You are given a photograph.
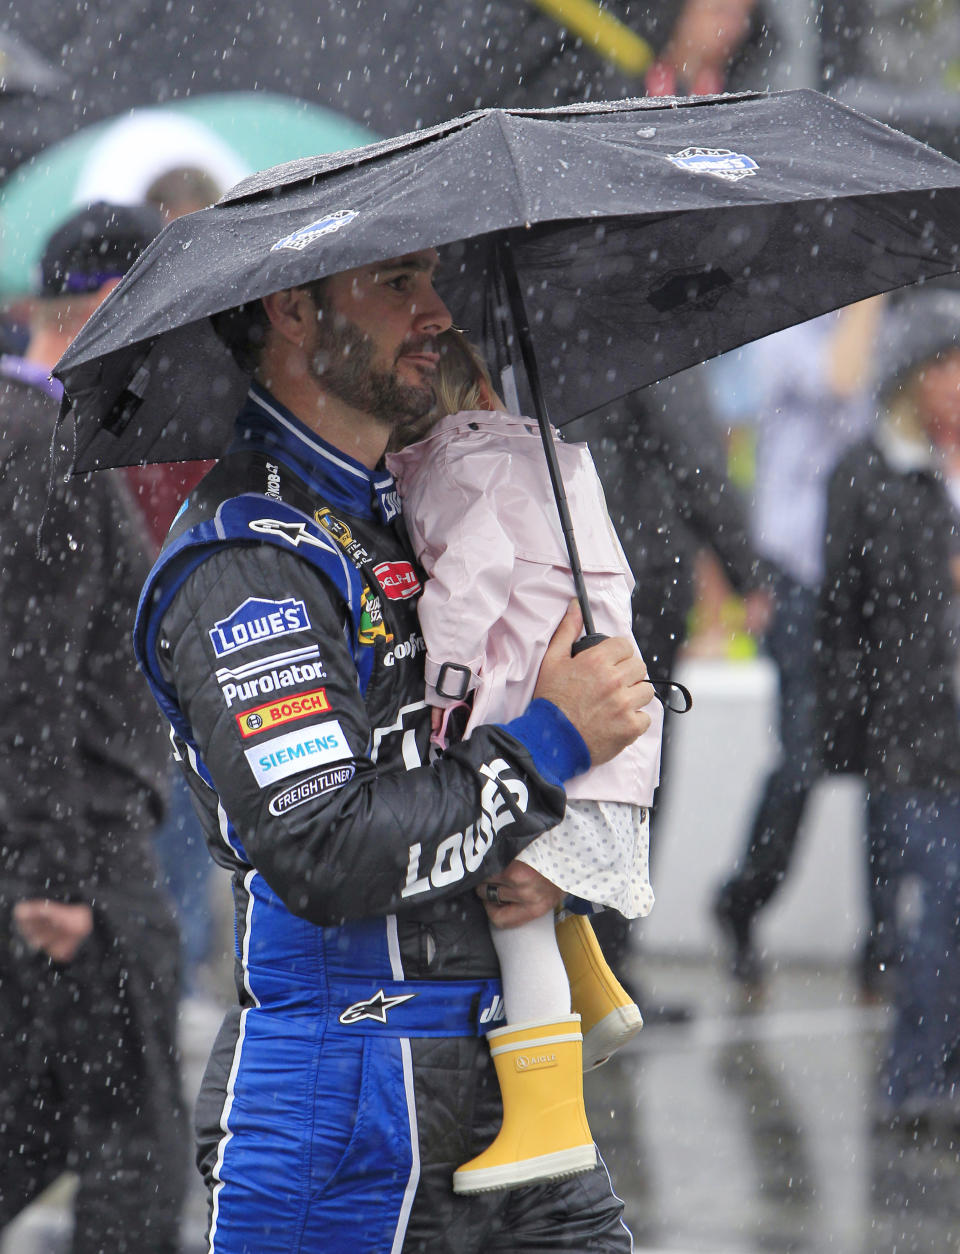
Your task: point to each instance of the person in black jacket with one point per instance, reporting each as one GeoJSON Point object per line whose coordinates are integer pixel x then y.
{"type": "Point", "coordinates": [889, 648]}
{"type": "Point", "coordinates": [89, 1075]}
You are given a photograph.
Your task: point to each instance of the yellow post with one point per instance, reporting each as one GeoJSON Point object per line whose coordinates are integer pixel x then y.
{"type": "Point", "coordinates": [603, 32]}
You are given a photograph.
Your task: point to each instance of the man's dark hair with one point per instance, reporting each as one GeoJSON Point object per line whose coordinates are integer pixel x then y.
{"type": "Point", "coordinates": [244, 328]}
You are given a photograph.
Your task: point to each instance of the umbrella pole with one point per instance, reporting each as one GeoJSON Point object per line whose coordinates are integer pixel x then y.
{"type": "Point", "coordinates": [522, 328]}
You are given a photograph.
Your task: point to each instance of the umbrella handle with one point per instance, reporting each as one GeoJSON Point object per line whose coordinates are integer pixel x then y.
{"type": "Point", "coordinates": [662, 687]}
{"type": "Point", "coordinates": [587, 642]}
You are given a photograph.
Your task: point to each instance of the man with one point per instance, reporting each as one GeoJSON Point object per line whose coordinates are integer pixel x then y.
{"type": "Point", "coordinates": [88, 1066]}
{"type": "Point", "coordinates": [810, 401]}
{"type": "Point", "coordinates": [280, 635]}
{"type": "Point", "coordinates": [889, 684]}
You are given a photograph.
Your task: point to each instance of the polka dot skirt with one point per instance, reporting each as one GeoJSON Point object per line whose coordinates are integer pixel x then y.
{"type": "Point", "coordinates": [600, 851]}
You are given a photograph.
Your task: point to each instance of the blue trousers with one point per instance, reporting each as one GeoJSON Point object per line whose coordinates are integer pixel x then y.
{"type": "Point", "coordinates": [922, 1067]}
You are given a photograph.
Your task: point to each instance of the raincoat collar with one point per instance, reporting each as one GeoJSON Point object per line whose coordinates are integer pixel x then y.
{"type": "Point", "coordinates": [266, 424]}
{"type": "Point", "coordinates": [483, 420]}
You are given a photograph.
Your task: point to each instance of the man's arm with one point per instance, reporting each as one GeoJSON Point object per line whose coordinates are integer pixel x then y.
{"type": "Point", "coordinates": [383, 837]}
{"type": "Point", "coordinates": [842, 689]}
{"type": "Point", "coordinates": [42, 599]}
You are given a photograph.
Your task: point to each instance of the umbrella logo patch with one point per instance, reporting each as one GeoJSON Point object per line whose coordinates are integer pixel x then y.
{"type": "Point", "coordinates": [330, 222]}
{"type": "Point", "coordinates": [722, 163]}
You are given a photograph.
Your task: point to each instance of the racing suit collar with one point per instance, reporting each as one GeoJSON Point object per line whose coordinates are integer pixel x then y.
{"type": "Point", "coordinates": [263, 422]}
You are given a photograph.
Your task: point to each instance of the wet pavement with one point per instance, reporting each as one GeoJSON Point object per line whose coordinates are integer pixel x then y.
{"type": "Point", "coordinates": [736, 1133]}
{"type": "Point", "coordinates": [755, 1132]}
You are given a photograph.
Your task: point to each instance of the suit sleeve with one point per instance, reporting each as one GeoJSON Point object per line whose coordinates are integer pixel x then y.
{"type": "Point", "coordinates": [379, 831]}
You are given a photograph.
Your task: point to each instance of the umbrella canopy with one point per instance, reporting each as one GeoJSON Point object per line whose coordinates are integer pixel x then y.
{"type": "Point", "coordinates": [632, 238]}
{"type": "Point", "coordinates": [23, 69]}
{"type": "Point", "coordinates": [227, 135]}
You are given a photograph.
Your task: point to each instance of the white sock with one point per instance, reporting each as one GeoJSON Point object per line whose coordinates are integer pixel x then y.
{"type": "Point", "coordinates": [535, 984]}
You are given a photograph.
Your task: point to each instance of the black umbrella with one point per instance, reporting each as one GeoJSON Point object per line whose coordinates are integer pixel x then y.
{"type": "Point", "coordinates": [608, 244]}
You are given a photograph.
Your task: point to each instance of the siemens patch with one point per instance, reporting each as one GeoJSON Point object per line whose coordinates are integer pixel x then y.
{"type": "Point", "coordinates": [266, 717]}
{"type": "Point", "coordinates": [297, 751]}
{"type": "Point", "coordinates": [305, 790]}
{"type": "Point", "coordinates": [255, 620]}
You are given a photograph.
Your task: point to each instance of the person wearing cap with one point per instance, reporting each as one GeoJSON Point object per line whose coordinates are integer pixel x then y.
{"type": "Point", "coordinates": [89, 1078]}
{"type": "Point", "coordinates": [889, 697]}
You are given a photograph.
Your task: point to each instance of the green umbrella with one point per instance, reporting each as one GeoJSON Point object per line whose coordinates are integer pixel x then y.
{"type": "Point", "coordinates": [228, 133]}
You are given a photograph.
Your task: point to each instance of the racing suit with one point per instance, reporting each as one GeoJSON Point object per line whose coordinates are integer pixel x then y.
{"type": "Point", "coordinates": [279, 633]}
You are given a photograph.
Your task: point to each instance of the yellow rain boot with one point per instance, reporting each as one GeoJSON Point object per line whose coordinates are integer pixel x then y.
{"type": "Point", "coordinates": [544, 1135]}
{"type": "Point", "coordinates": [608, 1014]}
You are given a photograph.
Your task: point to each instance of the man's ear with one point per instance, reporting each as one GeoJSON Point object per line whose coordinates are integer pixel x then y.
{"type": "Point", "coordinates": [291, 313]}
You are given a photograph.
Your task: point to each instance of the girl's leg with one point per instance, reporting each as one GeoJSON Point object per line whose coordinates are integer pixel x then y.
{"type": "Point", "coordinates": [535, 984]}
{"type": "Point", "coordinates": [539, 1063]}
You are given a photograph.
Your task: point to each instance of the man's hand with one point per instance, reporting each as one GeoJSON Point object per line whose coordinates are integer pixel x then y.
{"type": "Point", "coordinates": [757, 611]}
{"type": "Point", "coordinates": [704, 41]}
{"type": "Point", "coordinates": [517, 895]}
{"type": "Point", "coordinates": [54, 927]}
{"type": "Point", "coordinates": [602, 690]}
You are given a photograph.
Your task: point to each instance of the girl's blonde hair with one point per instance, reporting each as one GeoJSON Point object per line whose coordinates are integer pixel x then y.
{"type": "Point", "coordinates": [463, 380]}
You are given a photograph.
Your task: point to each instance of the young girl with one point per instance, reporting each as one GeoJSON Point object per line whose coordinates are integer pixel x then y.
{"type": "Point", "coordinates": [479, 508]}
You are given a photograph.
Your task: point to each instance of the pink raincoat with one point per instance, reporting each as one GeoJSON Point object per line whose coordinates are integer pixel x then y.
{"type": "Point", "coordinates": [479, 508]}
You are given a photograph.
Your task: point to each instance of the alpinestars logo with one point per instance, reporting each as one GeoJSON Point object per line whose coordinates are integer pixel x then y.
{"type": "Point", "coordinates": [376, 1008]}
{"type": "Point", "coordinates": [293, 532]}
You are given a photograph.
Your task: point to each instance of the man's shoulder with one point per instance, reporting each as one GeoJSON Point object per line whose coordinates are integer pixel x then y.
{"type": "Point", "coordinates": [233, 513]}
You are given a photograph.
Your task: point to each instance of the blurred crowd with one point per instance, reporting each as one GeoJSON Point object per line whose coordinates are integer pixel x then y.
{"type": "Point", "coordinates": [798, 500]}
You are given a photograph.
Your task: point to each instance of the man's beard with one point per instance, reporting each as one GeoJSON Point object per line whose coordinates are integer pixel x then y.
{"type": "Point", "coordinates": [341, 363]}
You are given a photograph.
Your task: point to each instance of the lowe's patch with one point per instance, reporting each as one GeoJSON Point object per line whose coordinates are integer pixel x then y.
{"type": "Point", "coordinates": [258, 619]}
{"type": "Point", "coordinates": [722, 163]}
{"type": "Point", "coordinates": [330, 222]}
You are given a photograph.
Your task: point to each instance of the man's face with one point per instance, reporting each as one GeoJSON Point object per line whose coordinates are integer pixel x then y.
{"type": "Point", "coordinates": [938, 396]}
{"type": "Point", "coordinates": [375, 343]}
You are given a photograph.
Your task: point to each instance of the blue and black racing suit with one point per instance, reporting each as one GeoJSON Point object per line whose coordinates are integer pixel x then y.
{"type": "Point", "coordinates": [279, 633]}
